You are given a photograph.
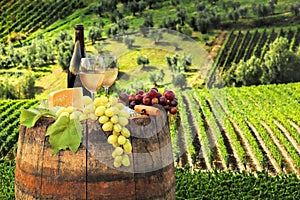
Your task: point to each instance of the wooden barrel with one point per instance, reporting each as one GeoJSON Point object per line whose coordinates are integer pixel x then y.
{"type": "Point", "coordinates": [89, 174]}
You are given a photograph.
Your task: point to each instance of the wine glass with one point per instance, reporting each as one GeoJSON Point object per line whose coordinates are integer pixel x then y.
{"type": "Point", "coordinates": [91, 74]}
{"type": "Point", "coordinates": [110, 71]}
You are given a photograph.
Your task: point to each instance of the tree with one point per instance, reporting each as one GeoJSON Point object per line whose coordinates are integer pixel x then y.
{"type": "Point", "coordinates": [262, 10]}
{"type": "Point", "coordinates": [28, 88]}
{"type": "Point", "coordinates": [295, 9]}
{"type": "Point", "coordinates": [142, 60]}
{"type": "Point", "coordinates": [249, 72]}
{"type": "Point", "coordinates": [156, 78]}
{"type": "Point", "coordinates": [105, 6]}
{"type": "Point", "coordinates": [181, 15]}
{"type": "Point", "coordinates": [179, 80]}
{"type": "Point", "coordinates": [177, 63]}
{"type": "Point", "coordinates": [169, 23]}
{"type": "Point", "coordinates": [151, 3]}
{"type": "Point", "coordinates": [123, 25]}
{"type": "Point", "coordinates": [185, 29]}
{"type": "Point", "coordinates": [142, 6]}
{"type": "Point", "coordinates": [281, 64]}
{"type": "Point", "coordinates": [234, 16]}
{"type": "Point", "coordinates": [148, 20]}
{"type": "Point", "coordinates": [112, 31]}
{"type": "Point", "coordinates": [156, 35]}
{"type": "Point", "coordinates": [128, 41]}
{"type": "Point", "coordinates": [236, 5]}
{"type": "Point", "coordinates": [203, 25]}
{"type": "Point", "coordinates": [133, 6]}
{"type": "Point", "coordinates": [200, 6]}
{"type": "Point", "coordinates": [243, 11]}
{"type": "Point", "coordinates": [94, 34]}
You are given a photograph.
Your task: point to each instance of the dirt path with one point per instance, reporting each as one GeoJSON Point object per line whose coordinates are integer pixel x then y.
{"type": "Point", "coordinates": [252, 163]}
{"type": "Point", "coordinates": [275, 166]}
{"type": "Point", "coordinates": [234, 161]}
{"type": "Point", "coordinates": [217, 43]}
{"type": "Point", "coordinates": [202, 161]}
{"type": "Point", "coordinates": [217, 161]}
{"type": "Point", "coordinates": [288, 136]}
{"type": "Point", "coordinates": [295, 126]}
{"type": "Point", "coordinates": [282, 150]}
{"type": "Point", "coordinates": [184, 157]}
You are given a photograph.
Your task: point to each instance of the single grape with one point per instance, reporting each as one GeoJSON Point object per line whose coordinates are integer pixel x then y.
{"type": "Point", "coordinates": [112, 139]}
{"type": "Point", "coordinates": [109, 112]}
{"type": "Point", "coordinates": [118, 159]}
{"type": "Point", "coordinates": [117, 164]}
{"type": "Point", "coordinates": [120, 106]}
{"type": "Point", "coordinates": [114, 119]}
{"type": "Point", "coordinates": [127, 147]}
{"type": "Point", "coordinates": [113, 100]}
{"type": "Point", "coordinates": [103, 119]}
{"type": "Point", "coordinates": [117, 128]}
{"type": "Point", "coordinates": [118, 151]}
{"type": "Point", "coordinates": [103, 100]}
{"type": "Point", "coordinates": [107, 126]}
{"type": "Point", "coordinates": [125, 132]}
{"type": "Point", "coordinates": [97, 102]}
{"type": "Point", "coordinates": [100, 111]}
{"type": "Point", "coordinates": [123, 121]}
{"type": "Point", "coordinates": [121, 140]}
{"type": "Point", "coordinates": [115, 110]}
{"type": "Point", "coordinates": [125, 160]}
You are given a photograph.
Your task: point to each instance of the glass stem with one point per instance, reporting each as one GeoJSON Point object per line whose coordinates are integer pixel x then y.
{"type": "Point", "coordinates": [106, 91]}
{"type": "Point", "coordinates": [93, 95]}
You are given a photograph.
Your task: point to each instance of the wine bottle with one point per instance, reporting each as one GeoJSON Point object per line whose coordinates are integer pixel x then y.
{"type": "Point", "coordinates": [78, 53]}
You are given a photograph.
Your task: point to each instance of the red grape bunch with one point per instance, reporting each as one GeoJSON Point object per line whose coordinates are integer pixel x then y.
{"type": "Point", "coordinates": [152, 97]}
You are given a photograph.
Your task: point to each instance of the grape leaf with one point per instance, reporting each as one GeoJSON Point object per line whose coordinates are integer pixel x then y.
{"type": "Point", "coordinates": [30, 116]}
{"type": "Point", "coordinates": [65, 133]}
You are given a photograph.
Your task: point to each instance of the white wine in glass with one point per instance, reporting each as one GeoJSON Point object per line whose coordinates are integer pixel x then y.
{"type": "Point", "coordinates": [91, 74]}
{"type": "Point", "coordinates": [110, 72]}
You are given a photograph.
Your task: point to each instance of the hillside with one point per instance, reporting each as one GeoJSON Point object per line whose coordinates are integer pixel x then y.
{"type": "Point", "coordinates": [229, 140]}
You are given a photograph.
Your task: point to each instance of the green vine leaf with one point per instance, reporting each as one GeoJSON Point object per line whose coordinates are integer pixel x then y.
{"type": "Point", "coordinates": [65, 133]}
{"type": "Point", "coordinates": [30, 116]}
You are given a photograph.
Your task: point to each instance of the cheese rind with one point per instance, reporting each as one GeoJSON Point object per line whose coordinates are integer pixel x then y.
{"type": "Point", "coordinates": [66, 97]}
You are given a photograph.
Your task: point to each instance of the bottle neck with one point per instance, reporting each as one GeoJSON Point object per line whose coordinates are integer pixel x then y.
{"type": "Point", "coordinates": [79, 36]}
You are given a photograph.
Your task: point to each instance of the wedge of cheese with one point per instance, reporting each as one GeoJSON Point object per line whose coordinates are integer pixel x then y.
{"type": "Point", "coordinates": [66, 97]}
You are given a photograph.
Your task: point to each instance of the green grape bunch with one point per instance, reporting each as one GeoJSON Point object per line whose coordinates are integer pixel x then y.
{"type": "Point", "coordinates": [113, 118]}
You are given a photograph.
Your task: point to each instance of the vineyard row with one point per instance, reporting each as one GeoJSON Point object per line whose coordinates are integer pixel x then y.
{"type": "Point", "coordinates": [250, 128]}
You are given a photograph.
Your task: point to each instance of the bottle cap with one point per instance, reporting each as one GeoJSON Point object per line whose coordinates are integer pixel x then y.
{"type": "Point", "coordinates": [79, 26]}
